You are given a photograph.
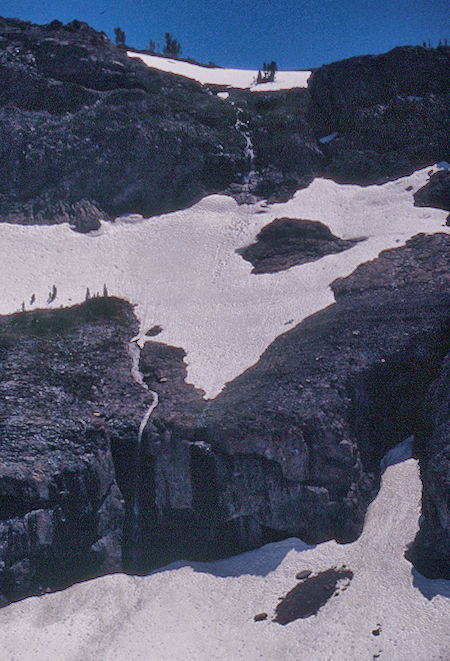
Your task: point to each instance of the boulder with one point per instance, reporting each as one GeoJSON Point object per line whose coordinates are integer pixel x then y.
{"type": "Point", "coordinates": [436, 192]}
{"type": "Point", "coordinates": [288, 242]}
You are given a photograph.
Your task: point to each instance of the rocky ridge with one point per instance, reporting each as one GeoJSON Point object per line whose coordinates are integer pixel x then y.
{"type": "Point", "coordinates": [390, 113]}
{"type": "Point", "coordinates": [88, 133]}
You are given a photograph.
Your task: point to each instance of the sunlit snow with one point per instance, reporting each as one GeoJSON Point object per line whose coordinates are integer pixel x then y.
{"type": "Point", "coordinates": [239, 78]}
{"type": "Point", "coordinates": [199, 611]}
{"type": "Point", "coordinates": [182, 271]}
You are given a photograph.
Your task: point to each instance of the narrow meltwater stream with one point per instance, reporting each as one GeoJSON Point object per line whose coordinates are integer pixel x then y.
{"type": "Point", "coordinates": [242, 128]}
{"type": "Point", "coordinates": [137, 375]}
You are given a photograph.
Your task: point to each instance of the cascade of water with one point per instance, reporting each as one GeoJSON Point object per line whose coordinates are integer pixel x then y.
{"type": "Point", "coordinates": [242, 128]}
{"type": "Point", "coordinates": [138, 377]}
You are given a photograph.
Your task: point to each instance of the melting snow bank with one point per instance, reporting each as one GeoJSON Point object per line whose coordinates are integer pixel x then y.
{"type": "Point", "coordinates": [239, 78]}
{"type": "Point", "coordinates": [206, 610]}
{"type": "Point", "coordinates": [182, 271]}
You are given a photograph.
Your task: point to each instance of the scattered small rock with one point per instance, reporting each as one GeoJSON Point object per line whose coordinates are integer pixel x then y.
{"type": "Point", "coordinates": [260, 617]}
{"type": "Point", "coordinates": [303, 574]}
{"type": "Point", "coordinates": [377, 630]}
{"type": "Point", "coordinates": [154, 330]}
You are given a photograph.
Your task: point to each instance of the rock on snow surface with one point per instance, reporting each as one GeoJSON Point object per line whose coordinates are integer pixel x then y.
{"type": "Point", "coordinates": [182, 271]}
{"type": "Point", "coordinates": [206, 610]}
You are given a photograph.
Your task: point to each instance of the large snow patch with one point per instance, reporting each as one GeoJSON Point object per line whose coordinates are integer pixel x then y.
{"type": "Point", "coordinates": [199, 611]}
{"type": "Point", "coordinates": [182, 271]}
{"type": "Point", "coordinates": [239, 78]}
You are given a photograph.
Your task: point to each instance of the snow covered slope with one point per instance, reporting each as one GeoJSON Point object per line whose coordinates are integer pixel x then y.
{"type": "Point", "coordinates": [182, 271]}
{"type": "Point", "coordinates": [198, 611]}
{"type": "Point", "coordinates": [240, 78]}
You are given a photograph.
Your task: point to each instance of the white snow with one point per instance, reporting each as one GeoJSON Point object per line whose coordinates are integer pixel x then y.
{"type": "Point", "coordinates": [182, 271]}
{"type": "Point", "coordinates": [199, 611]}
{"type": "Point", "coordinates": [239, 78]}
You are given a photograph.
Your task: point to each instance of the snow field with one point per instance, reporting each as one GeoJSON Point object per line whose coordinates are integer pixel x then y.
{"type": "Point", "coordinates": [199, 611]}
{"type": "Point", "coordinates": [239, 78]}
{"type": "Point", "coordinates": [182, 272]}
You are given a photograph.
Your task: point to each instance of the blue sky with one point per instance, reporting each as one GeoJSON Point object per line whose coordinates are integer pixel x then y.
{"type": "Point", "coordinates": [243, 33]}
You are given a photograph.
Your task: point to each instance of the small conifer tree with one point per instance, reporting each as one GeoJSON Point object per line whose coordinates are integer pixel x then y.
{"type": "Point", "coordinates": [120, 37]}
{"type": "Point", "coordinates": [172, 47]}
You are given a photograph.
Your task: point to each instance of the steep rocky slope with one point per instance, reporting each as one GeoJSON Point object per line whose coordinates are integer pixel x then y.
{"type": "Point", "coordinates": [327, 399]}
{"type": "Point", "coordinates": [430, 551]}
{"type": "Point", "coordinates": [291, 447]}
{"type": "Point", "coordinates": [67, 393]}
{"type": "Point", "coordinates": [88, 133]}
{"type": "Point", "coordinates": [390, 111]}
{"type": "Point", "coordinates": [435, 193]}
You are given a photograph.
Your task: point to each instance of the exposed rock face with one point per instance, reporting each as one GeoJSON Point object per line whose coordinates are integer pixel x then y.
{"type": "Point", "coordinates": [291, 447]}
{"type": "Point", "coordinates": [329, 398]}
{"type": "Point", "coordinates": [436, 193]}
{"type": "Point", "coordinates": [287, 242]}
{"type": "Point", "coordinates": [287, 154]}
{"type": "Point", "coordinates": [164, 478]}
{"type": "Point", "coordinates": [67, 394]}
{"type": "Point", "coordinates": [430, 551]}
{"type": "Point", "coordinates": [391, 112]}
{"type": "Point", "coordinates": [86, 131]}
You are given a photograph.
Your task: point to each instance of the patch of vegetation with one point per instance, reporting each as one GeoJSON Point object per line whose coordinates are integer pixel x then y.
{"type": "Point", "coordinates": [41, 323]}
{"type": "Point", "coordinates": [269, 72]}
